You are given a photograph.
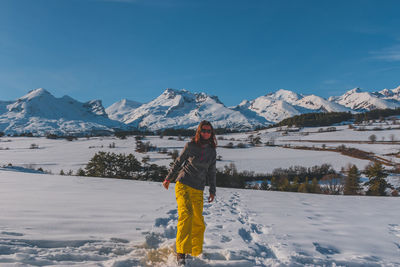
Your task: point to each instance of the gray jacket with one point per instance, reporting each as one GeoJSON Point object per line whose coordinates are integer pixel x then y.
{"type": "Point", "coordinates": [198, 166]}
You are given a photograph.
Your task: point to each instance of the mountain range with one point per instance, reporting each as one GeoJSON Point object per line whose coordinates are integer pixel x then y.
{"type": "Point", "coordinates": [40, 113]}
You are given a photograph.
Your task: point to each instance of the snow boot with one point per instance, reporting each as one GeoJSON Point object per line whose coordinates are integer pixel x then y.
{"type": "Point", "coordinates": [181, 258]}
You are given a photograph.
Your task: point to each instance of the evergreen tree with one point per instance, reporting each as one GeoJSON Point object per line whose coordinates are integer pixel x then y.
{"type": "Point", "coordinates": [104, 164]}
{"type": "Point", "coordinates": [264, 185]}
{"type": "Point", "coordinates": [80, 172]}
{"type": "Point", "coordinates": [352, 182]}
{"type": "Point", "coordinates": [377, 183]}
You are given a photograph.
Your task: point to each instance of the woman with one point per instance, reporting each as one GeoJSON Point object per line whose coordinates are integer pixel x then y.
{"type": "Point", "coordinates": [198, 158]}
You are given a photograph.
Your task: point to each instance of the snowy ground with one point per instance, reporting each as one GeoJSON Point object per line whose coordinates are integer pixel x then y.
{"type": "Point", "coordinates": [80, 221]}
{"type": "Point", "coordinates": [57, 155]}
{"type": "Point", "coordinates": [68, 220]}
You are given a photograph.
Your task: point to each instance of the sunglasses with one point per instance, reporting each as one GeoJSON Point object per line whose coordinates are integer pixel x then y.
{"type": "Point", "coordinates": [205, 131]}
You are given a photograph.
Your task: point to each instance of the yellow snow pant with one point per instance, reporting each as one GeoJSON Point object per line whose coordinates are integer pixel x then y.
{"type": "Point", "coordinates": [191, 227]}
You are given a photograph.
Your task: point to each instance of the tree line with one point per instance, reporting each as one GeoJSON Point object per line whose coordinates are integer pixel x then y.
{"type": "Point", "coordinates": [317, 179]}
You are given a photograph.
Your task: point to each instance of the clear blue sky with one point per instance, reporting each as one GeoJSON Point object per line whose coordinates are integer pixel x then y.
{"type": "Point", "coordinates": [114, 49]}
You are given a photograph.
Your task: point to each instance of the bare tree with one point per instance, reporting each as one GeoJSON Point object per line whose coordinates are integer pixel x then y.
{"type": "Point", "coordinates": [372, 138]}
{"type": "Point", "coordinates": [332, 184]}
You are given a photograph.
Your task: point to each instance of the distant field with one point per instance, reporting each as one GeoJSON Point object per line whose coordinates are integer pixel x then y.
{"type": "Point", "coordinates": [56, 155]}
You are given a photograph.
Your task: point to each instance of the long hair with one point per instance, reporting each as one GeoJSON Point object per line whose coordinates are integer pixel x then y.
{"type": "Point", "coordinates": [197, 138]}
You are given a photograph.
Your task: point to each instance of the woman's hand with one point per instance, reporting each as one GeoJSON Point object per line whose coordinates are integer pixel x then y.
{"type": "Point", "coordinates": [211, 198]}
{"type": "Point", "coordinates": [166, 183]}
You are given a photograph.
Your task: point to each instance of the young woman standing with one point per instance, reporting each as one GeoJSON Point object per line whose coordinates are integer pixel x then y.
{"type": "Point", "coordinates": [194, 166]}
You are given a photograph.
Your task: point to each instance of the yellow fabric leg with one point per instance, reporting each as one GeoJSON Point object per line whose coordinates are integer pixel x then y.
{"type": "Point", "coordinates": [185, 213]}
{"type": "Point", "coordinates": [191, 227]}
{"type": "Point", "coordinates": [198, 226]}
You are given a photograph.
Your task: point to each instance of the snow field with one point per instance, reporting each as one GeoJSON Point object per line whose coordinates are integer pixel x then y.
{"type": "Point", "coordinates": [57, 155]}
{"type": "Point", "coordinates": [83, 221]}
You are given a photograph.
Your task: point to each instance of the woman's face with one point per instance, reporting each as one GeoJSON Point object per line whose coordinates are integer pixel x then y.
{"type": "Point", "coordinates": [205, 132]}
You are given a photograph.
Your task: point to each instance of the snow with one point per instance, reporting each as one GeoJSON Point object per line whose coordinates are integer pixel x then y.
{"type": "Point", "coordinates": [357, 100]}
{"type": "Point", "coordinates": [344, 134]}
{"type": "Point", "coordinates": [318, 103]}
{"type": "Point", "coordinates": [40, 113]}
{"type": "Point", "coordinates": [391, 93]}
{"type": "Point", "coordinates": [82, 221]}
{"type": "Point", "coordinates": [266, 159]}
{"type": "Point", "coordinates": [284, 103]}
{"type": "Point", "coordinates": [76, 154]}
{"type": "Point", "coordinates": [119, 110]}
{"type": "Point", "coordinates": [183, 109]}
{"type": "Point", "coordinates": [285, 95]}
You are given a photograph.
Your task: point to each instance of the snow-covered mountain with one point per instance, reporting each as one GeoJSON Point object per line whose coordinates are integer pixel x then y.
{"type": "Point", "coordinates": [183, 109]}
{"type": "Point", "coordinates": [390, 93]}
{"type": "Point", "coordinates": [285, 95]}
{"type": "Point", "coordinates": [121, 109]}
{"type": "Point", "coordinates": [270, 109]}
{"type": "Point", "coordinates": [318, 103]}
{"type": "Point", "coordinates": [358, 100]}
{"type": "Point", "coordinates": [284, 103]}
{"type": "Point", "coordinates": [39, 112]}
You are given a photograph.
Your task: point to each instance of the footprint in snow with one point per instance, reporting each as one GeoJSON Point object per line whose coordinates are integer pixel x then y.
{"type": "Point", "coordinates": [164, 221]}
{"type": "Point", "coordinates": [264, 251]}
{"type": "Point", "coordinates": [326, 250]}
{"type": "Point", "coordinates": [256, 228]}
{"type": "Point", "coordinates": [55, 252]}
{"type": "Point", "coordinates": [225, 239]}
{"type": "Point", "coordinates": [11, 233]}
{"type": "Point", "coordinates": [245, 235]}
{"type": "Point", "coordinates": [394, 229]}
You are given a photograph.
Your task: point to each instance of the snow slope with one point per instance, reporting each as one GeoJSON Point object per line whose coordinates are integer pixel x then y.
{"type": "Point", "coordinates": [318, 103]}
{"type": "Point", "coordinates": [82, 221]}
{"type": "Point", "coordinates": [270, 109]}
{"type": "Point", "coordinates": [119, 110]}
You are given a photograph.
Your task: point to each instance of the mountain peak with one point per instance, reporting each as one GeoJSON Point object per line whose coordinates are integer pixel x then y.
{"type": "Point", "coordinates": [36, 93]}
{"type": "Point", "coordinates": [354, 90]}
{"type": "Point", "coordinates": [285, 95]}
{"type": "Point", "coordinates": [171, 93]}
{"type": "Point", "coordinates": [386, 92]}
{"type": "Point", "coordinates": [284, 91]}
{"type": "Point", "coordinates": [396, 90]}
{"type": "Point", "coordinates": [175, 91]}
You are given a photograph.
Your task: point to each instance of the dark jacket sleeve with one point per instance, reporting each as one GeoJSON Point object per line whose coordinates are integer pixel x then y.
{"type": "Point", "coordinates": [211, 174]}
{"type": "Point", "coordinates": [178, 163]}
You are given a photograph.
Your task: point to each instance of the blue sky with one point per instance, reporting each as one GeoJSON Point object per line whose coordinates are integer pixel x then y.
{"type": "Point", "coordinates": [114, 49]}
